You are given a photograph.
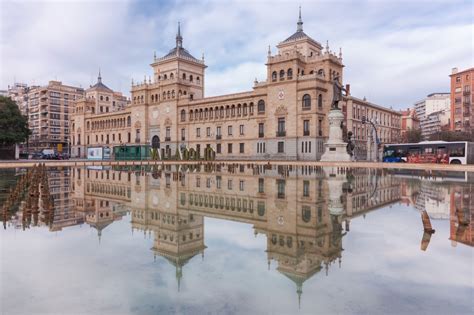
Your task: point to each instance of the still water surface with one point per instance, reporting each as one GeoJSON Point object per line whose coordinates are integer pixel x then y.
{"type": "Point", "coordinates": [239, 239]}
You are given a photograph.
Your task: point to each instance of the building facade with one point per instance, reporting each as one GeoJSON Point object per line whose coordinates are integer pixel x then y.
{"type": "Point", "coordinates": [48, 109]}
{"type": "Point", "coordinates": [283, 117]}
{"type": "Point", "coordinates": [434, 113]}
{"type": "Point", "coordinates": [462, 99]}
{"type": "Point", "coordinates": [18, 92]}
{"type": "Point", "coordinates": [387, 123]}
{"type": "Point", "coordinates": [409, 121]}
{"type": "Point", "coordinates": [101, 118]}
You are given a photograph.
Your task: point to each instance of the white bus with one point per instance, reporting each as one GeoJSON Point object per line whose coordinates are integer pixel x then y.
{"type": "Point", "coordinates": [458, 152]}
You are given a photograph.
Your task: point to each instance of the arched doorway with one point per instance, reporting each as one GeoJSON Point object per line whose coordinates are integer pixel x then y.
{"type": "Point", "coordinates": [155, 142]}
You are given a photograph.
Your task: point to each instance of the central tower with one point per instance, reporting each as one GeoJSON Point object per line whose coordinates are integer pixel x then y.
{"type": "Point", "coordinates": [179, 73]}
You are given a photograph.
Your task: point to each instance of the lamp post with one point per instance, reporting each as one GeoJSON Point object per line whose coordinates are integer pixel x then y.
{"type": "Point", "coordinates": [372, 122]}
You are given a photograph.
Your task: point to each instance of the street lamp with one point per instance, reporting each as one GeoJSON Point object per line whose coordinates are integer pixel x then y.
{"type": "Point", "coordinates": [372, 122]}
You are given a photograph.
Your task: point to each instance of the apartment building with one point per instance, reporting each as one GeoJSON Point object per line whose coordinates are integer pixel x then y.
{"type": "Point", "coordinates": [49, 108]}
{"type": "Point", "coordinates": [462, 99]}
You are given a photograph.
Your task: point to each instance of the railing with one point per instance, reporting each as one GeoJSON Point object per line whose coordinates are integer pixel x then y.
{"type": "Point", "coordinates": [218, 137]}
{"type": "Point", "coordinates": [306, 133]}
{"type": "Point", "coordinates": [261, 135]}
{"type": "Point", "coordinates": [167, 138]}
{"type": "Point", "coordinates": [281, 133]}
{"type": "Point", "coordinates": [183, 138]}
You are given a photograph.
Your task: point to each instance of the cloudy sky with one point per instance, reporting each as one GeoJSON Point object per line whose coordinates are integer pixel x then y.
{"type": "Point", "coordinates": [395, 52]}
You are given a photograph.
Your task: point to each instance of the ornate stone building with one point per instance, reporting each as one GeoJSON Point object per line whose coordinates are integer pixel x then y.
{"type": "Point", "coordinates": [283, 117]}
{"type": "Point", "coordinates": [101, 118]}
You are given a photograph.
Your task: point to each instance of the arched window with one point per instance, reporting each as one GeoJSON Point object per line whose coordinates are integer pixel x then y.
{"type": "Point", "coordinates": [239, 110]}
{"type": "Point", "coordinates": [101, 98]}
{"type": "Point", "coordinates": [191, 115]}
{"type": "Point", "coordinates": [211, 111]}
{"type": "Point", "coordinates": [245, 109]}
{"type": "Point", "coordinates": [88, 125]}
{"type": "Point", "coordinates": [306, 101]}
{"type": "Point", "coordinates": [261, 106]}
{"type": "Point", "coordinates": [200, 113]}
{"type": "Point", "coordinates": [165, 77]}
{"type": "Point", "coordinates": [191, 78]}
{"type": "Point", "coordinates": [183, 115]}
{"type": "Point", "coordinates": [282, 74]}
{"type": "Point", "coordinates": [222, 111]}
{"type": "Point", "coordinates": [306, 214]}
{"type": "Point", "coordinates": [155, 142]}
{"type": "Point", "coordinates": [320, 101]}
{"type": "Point", "coordinates": [129, 121]}
{"type": "Point", "coordinates": [198, 80]}
{"type": "Point", "coordinates": [274, 76]}
{"type": "Point", "coordinates": [232, 111]}
{"type": "Point", "coordinates": [152, 98]}
{"type": "Point", "coordinates": [107, 98]}
{"type": "Point", "coordinates": [227, 111]}
{"type": "Point", "coordinates": [172, 93]}
{"type": "Point", "coordinates": [289, 74]}
{"type": "Point", "coordinates": [251, 109]}
{"type": "Point", "coordinates": [164, 95]}
{"type": "Point", "coordinates": [206, 112]}
{"type": "Point", "coordinates": [171, 76]}
{"type": "Point", "coordinates": [321, 72]}
{"type": "Point", "coordinates": [168, 94]}
{"type": "Point", "coordinates": [184, 76]}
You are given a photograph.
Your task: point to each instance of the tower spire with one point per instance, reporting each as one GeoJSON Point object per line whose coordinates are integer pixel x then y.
{"type": "Point", "coordinates": [299, 28]}
{"type": "Point", "coordinates": [99, 78]}
{"type": "Point", "coordinates": [179, 38]}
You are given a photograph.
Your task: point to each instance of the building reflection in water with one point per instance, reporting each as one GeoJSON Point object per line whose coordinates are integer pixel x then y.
{"type": "Point", "coordinates": [303, 211]}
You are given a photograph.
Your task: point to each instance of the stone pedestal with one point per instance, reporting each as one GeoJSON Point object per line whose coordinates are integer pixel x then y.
{"type": "Point", "coordinates": [335, 182]}
{"type": "Point", "coordinates": [335, 147]}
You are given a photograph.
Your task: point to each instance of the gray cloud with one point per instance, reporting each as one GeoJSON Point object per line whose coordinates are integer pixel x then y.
{"type": "Point", "coordinates": [395, 52]}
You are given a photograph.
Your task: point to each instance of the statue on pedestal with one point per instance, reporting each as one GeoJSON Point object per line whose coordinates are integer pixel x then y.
{"type": "Point", "coordinates": [337, 93]}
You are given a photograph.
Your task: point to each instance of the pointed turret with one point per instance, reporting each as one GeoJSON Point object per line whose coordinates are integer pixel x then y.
{"type": "Point", "coordinates": [99, 78]}
{"type": "Point", "coordinates": [299, 27]}
{"type": "Point", "coordinates": [179, 38]}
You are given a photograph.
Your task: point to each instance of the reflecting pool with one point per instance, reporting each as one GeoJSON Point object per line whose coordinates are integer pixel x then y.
{"type": "Point", "coordinates": [237, 239]}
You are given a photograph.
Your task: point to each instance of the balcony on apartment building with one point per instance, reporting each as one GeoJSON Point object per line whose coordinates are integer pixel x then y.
{"type": "Point", "coordinates": [218, 137]}
{"type": "Point", "coordinates": [167, 138]}
{"type": "Point", "coordinates": [281, 133]}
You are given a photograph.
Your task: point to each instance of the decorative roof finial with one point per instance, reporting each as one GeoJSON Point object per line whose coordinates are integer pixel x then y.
{"type": "Point", "coordinates": [269, 51]}
{"type": "Point", "coordinates": [300, 23]}
{"type": "Point", "coordinates": [202, 57]}
{"type": "Point", "coordinates": [340, 53]}
{"type": "Point", "coordinates": [179, 38]}
{"type": "Point", "coordinates": [154, 55]}
{"type": "Point", "coordinates": [99, 78]}
{"type": "Point", "coordinates": [327, 46]}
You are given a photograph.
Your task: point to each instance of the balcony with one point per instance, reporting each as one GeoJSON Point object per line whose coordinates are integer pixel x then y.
{"type": "Point", "coordinates": [167, 138]}
{"type": "Point", "coordinates": [183, 138]}
{"type": "Point", "coordinates": [218, 137]}
{"type": "Point", "coordinates": [466, 113]}
{"type": "Point", "coordinates": [281, 133]}
{"type": "Point", "coordinates": [466, 93]}
{"type": "Point", "coordinates": [306, 133]}
{"type": "Point", "coordinates": [261, 135]}
{"type": "Point", "coordinates": [137, 140]}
